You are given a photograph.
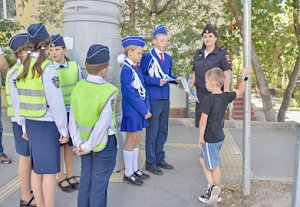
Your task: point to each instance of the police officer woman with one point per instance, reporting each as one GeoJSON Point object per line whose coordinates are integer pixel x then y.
{"type": "Point", "coordinates": [208, 57]}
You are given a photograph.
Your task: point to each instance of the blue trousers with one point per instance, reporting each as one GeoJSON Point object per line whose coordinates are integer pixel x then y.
{"type": "Point", "coordinates": [1, 128]}
{"type": "Point", "coordinates": [96, 169]}
{"type": "Point", "coordinates": [157, 131]}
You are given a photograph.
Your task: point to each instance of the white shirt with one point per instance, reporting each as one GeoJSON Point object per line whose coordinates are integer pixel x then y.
{"type": "Point", "coordinates": [104, 123]}
{"type": "Point", "coordinates": [15, 101]}
{"type": "Point", "coordinates": [57, 66]}
{"type": "Point", "coordinates": [1, 51]}
{"type": "Point", "coordinates": [56, 111]}
{"type": "Point", "coordinates": [158, 52]}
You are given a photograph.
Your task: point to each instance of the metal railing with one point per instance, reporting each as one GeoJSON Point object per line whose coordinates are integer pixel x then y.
{"type": "Point", "coordinates": [296, 177]}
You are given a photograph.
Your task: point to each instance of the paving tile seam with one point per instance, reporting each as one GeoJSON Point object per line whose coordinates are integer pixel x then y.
{"type": "Point", "coordinates": [9, 188]}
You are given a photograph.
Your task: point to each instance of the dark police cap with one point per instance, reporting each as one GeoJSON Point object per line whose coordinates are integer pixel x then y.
{"type": "Point", "coordinates": [57, 40]}
{"type": "Point", "coordinates": [209, 28]}
{"type": "Point", "coordinates": [37, 33]}
{"type": "Point", "coordinates": [18, 41]}
{"type": "Point", "coordinates": [97, 54]}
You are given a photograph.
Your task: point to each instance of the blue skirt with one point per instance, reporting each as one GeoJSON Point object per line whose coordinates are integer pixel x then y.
{"type": "Point", "coordinates": [44, 146]}
{"type": "Point", "coordinates": [133, 123]}
{"type": "Point", "coordinates": [22, 145]}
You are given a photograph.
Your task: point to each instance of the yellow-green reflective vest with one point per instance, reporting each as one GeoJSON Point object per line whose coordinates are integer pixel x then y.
{"type": "Point", "coordinates": [88, 100]}
{"type": "Point", "coordinates": [32, 92]}
{"type": "Point", "coordinates": [10, 109]}
{"type": "Point", "coordinates": [68, 77]}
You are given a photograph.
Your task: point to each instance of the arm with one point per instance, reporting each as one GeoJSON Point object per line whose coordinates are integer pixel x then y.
{"type": "Point", "coordinates": [73, 129]}
{"type": "Point", "coordinates": [242, 85]}
{"type": "Point", "coordinates": [131, 95]}
{"type": "Point", "coordinates": [202, 128]}
{"type": "Point", "coordinates": [192, 80]}
{"type": "Point", "coordinates": [3, 62]}
{"type": "Point", "coordinates": [148, 79]}
{"type": "Point", "coordinates": [55, 100]}
{"type": "Point", "coordinates": [100, 128]}
{"type": "Point", "coordinates": [227, 80]}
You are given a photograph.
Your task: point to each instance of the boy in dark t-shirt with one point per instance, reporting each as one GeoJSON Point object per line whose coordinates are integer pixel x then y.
{"type": "Point", "coordinates": [211, 135]}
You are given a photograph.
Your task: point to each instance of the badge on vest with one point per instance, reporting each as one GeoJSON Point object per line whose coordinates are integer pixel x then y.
{"type": "Point", "coordinates": [55, 82]}
{"type": "Point", "coordinates": [228, 58]}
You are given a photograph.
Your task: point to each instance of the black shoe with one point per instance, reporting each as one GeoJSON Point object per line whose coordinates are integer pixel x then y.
{"type": "Point", "coordinates": [4, 159]}
{"type": "Point", "coordinates": [73, 182]}
{"type": "Point", "coordinates": [133, 180]}
{"type": "Point", "coordinates": [27, 204]}
{"type": "Point", "coordinates": [66, 188]}
{"type": "Point", "coordinates": [154, 170]}
{"type": "Point", "coordinates": [141, 174]}
{"type": "Point", "coordinates": [165, 165]}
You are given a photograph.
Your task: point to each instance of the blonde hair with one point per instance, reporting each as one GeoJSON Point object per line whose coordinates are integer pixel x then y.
{"type": "Point", "coordinates": [216, 75]}
{"type": "Point", "coordinates": [94, 69]}
{"type": "Point", "coordinates": [129, 48]}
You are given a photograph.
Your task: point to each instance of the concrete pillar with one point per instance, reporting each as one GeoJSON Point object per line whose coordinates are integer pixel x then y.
{"type": "Point", "coordinates": [96, 21]}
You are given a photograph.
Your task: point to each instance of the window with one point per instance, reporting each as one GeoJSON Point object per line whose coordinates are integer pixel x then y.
{"type": "Point", "coordinates": [8, 9]}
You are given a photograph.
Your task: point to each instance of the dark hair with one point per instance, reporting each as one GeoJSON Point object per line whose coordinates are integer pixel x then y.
{"type": "Point", "coordinates": [37, 67]}
{"type": "Point", "coordinates": [94, 69]}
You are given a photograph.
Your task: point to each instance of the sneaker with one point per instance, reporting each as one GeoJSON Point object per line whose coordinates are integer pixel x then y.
{"type": "Point", "coordinates": [213, 195]}
{"type": "Point", "coordinates": [204, 198]}
{"type": "Point", "coordinates": [4, 159]}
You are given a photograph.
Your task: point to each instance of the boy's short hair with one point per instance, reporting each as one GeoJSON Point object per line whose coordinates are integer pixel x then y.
{"type": "Point", "coordinates": [216, 75]}
{"type": "Point", "coordinates": [130, 47]}
{"type": "Point", "coordinates": [94, 69]}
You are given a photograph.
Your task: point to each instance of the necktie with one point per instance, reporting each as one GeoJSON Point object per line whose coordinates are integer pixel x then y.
{"type": "Point", "coordinates": [61, 66]}
{"type": "Point", "coordinates": [136, 67]}
{"type": "Point", "coordinates": [162, 58]}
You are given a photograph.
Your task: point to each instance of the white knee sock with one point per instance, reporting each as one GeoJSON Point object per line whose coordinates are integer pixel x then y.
{"type": "Point", "coordinates": [128, 159]}
{"type": "Point", "coordinates": [135, 166]}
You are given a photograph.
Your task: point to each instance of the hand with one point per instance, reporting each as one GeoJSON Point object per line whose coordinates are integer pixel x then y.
{"type": "Point", "coordinates": [148, 115]}
{"type": "Point", "coordinates": [178, 79]}
{"type": "Point", "coordinates": [24, 136]}
{"type": "Point", "coordinates": [201, 143]}
{"type": "Point", "coordinates": [79, 151]}
{"type": "Point", "coordinates": [162, 82]}
{"type": "Point", "coordinates": [63, 139]}
{"type": "Point", "coordinates": [246, 71]}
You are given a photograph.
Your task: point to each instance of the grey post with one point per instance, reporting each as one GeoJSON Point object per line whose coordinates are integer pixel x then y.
{"type": "Point", "coordinates": [247, 98]}
{"type": "Point", "coordinates": [96, 22]}
{"type": "Point", "coordinates": [296, 177]}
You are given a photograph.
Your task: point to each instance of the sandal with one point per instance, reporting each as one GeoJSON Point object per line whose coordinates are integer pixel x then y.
{"type": "Point", "coordinates": [27, 204]}
{"type": "Point", "coordinates": [68, 188]}
{"type": "Point", "coordinates": [74, 184]}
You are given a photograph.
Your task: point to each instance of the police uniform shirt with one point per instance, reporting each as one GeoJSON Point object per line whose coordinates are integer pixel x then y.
{"type": "Point", "coordinates": [56, 111]}
{"type": "Point", "coordinates": [219, 58]}
{"type": "Point", "coordinates": [103, 125]}
{"type": "Point", "coordinates": [15, 101]}
{"type": "Point", "coordinates": [65, 65]}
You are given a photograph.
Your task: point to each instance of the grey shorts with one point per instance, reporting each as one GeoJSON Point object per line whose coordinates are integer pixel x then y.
{"type": "Point", "coordinates": [211, 154]}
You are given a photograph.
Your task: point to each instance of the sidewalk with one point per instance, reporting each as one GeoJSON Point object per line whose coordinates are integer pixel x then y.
{"type": "Point", "coordinates": [179, 187]}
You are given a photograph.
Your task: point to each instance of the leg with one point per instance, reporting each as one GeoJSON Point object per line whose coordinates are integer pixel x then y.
{"type": "Point", "coordinates": [135, 166]}
{"type": "Point", "coordinates": [152, 132]}
{"type": "Point", "coordinates": [37, 181]}
{"type": "Point", "coordinates": [103, 165]}
{"type": "Point", "coordinates": [207, 173]}
{"type": "Point", "coordinates": [24, 171]}
{"type": "Point", "coordinates": [49, 183]}
{"type": "Point", "coordinates": [61, 175]}
{"type": "Point", "coordinates": [69, 160]}
{"type": "Point", "coordinates": [85, 181]}
{"type": "Point", "coordinates": [128, 152]}
{"type": "Point", "coordinates": [216, 175]}
{"type": "Point", "coordinates": [162, 132]}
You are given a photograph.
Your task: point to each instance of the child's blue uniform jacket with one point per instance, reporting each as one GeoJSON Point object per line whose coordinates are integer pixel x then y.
{"type": "Point", "coordinates": [132, 104]}
{"type": "Point", "coordinates": [156, 91]}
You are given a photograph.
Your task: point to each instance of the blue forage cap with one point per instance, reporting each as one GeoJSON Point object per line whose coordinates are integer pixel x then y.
{"type": "Point", "coordinates": [37, 33]}
{"type": "Point", "coordinates": [209, 28]}
{"type": "Point", "coordinates": [133, 40]}
{"type": "Point", "coordinates": [97, 54]}
{"type": "Point", "coordinates": [18, 41]}
{"type": "Point", "coordinates": [57, 40]}
{"type": "Point", "coordinates": [160, 29]}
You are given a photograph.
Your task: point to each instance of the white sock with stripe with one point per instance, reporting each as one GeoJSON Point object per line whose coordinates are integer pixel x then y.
{"type": "Point", "coordinates": [128, 160]}
{"type": "Point", "coordinates": [135, 159]}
